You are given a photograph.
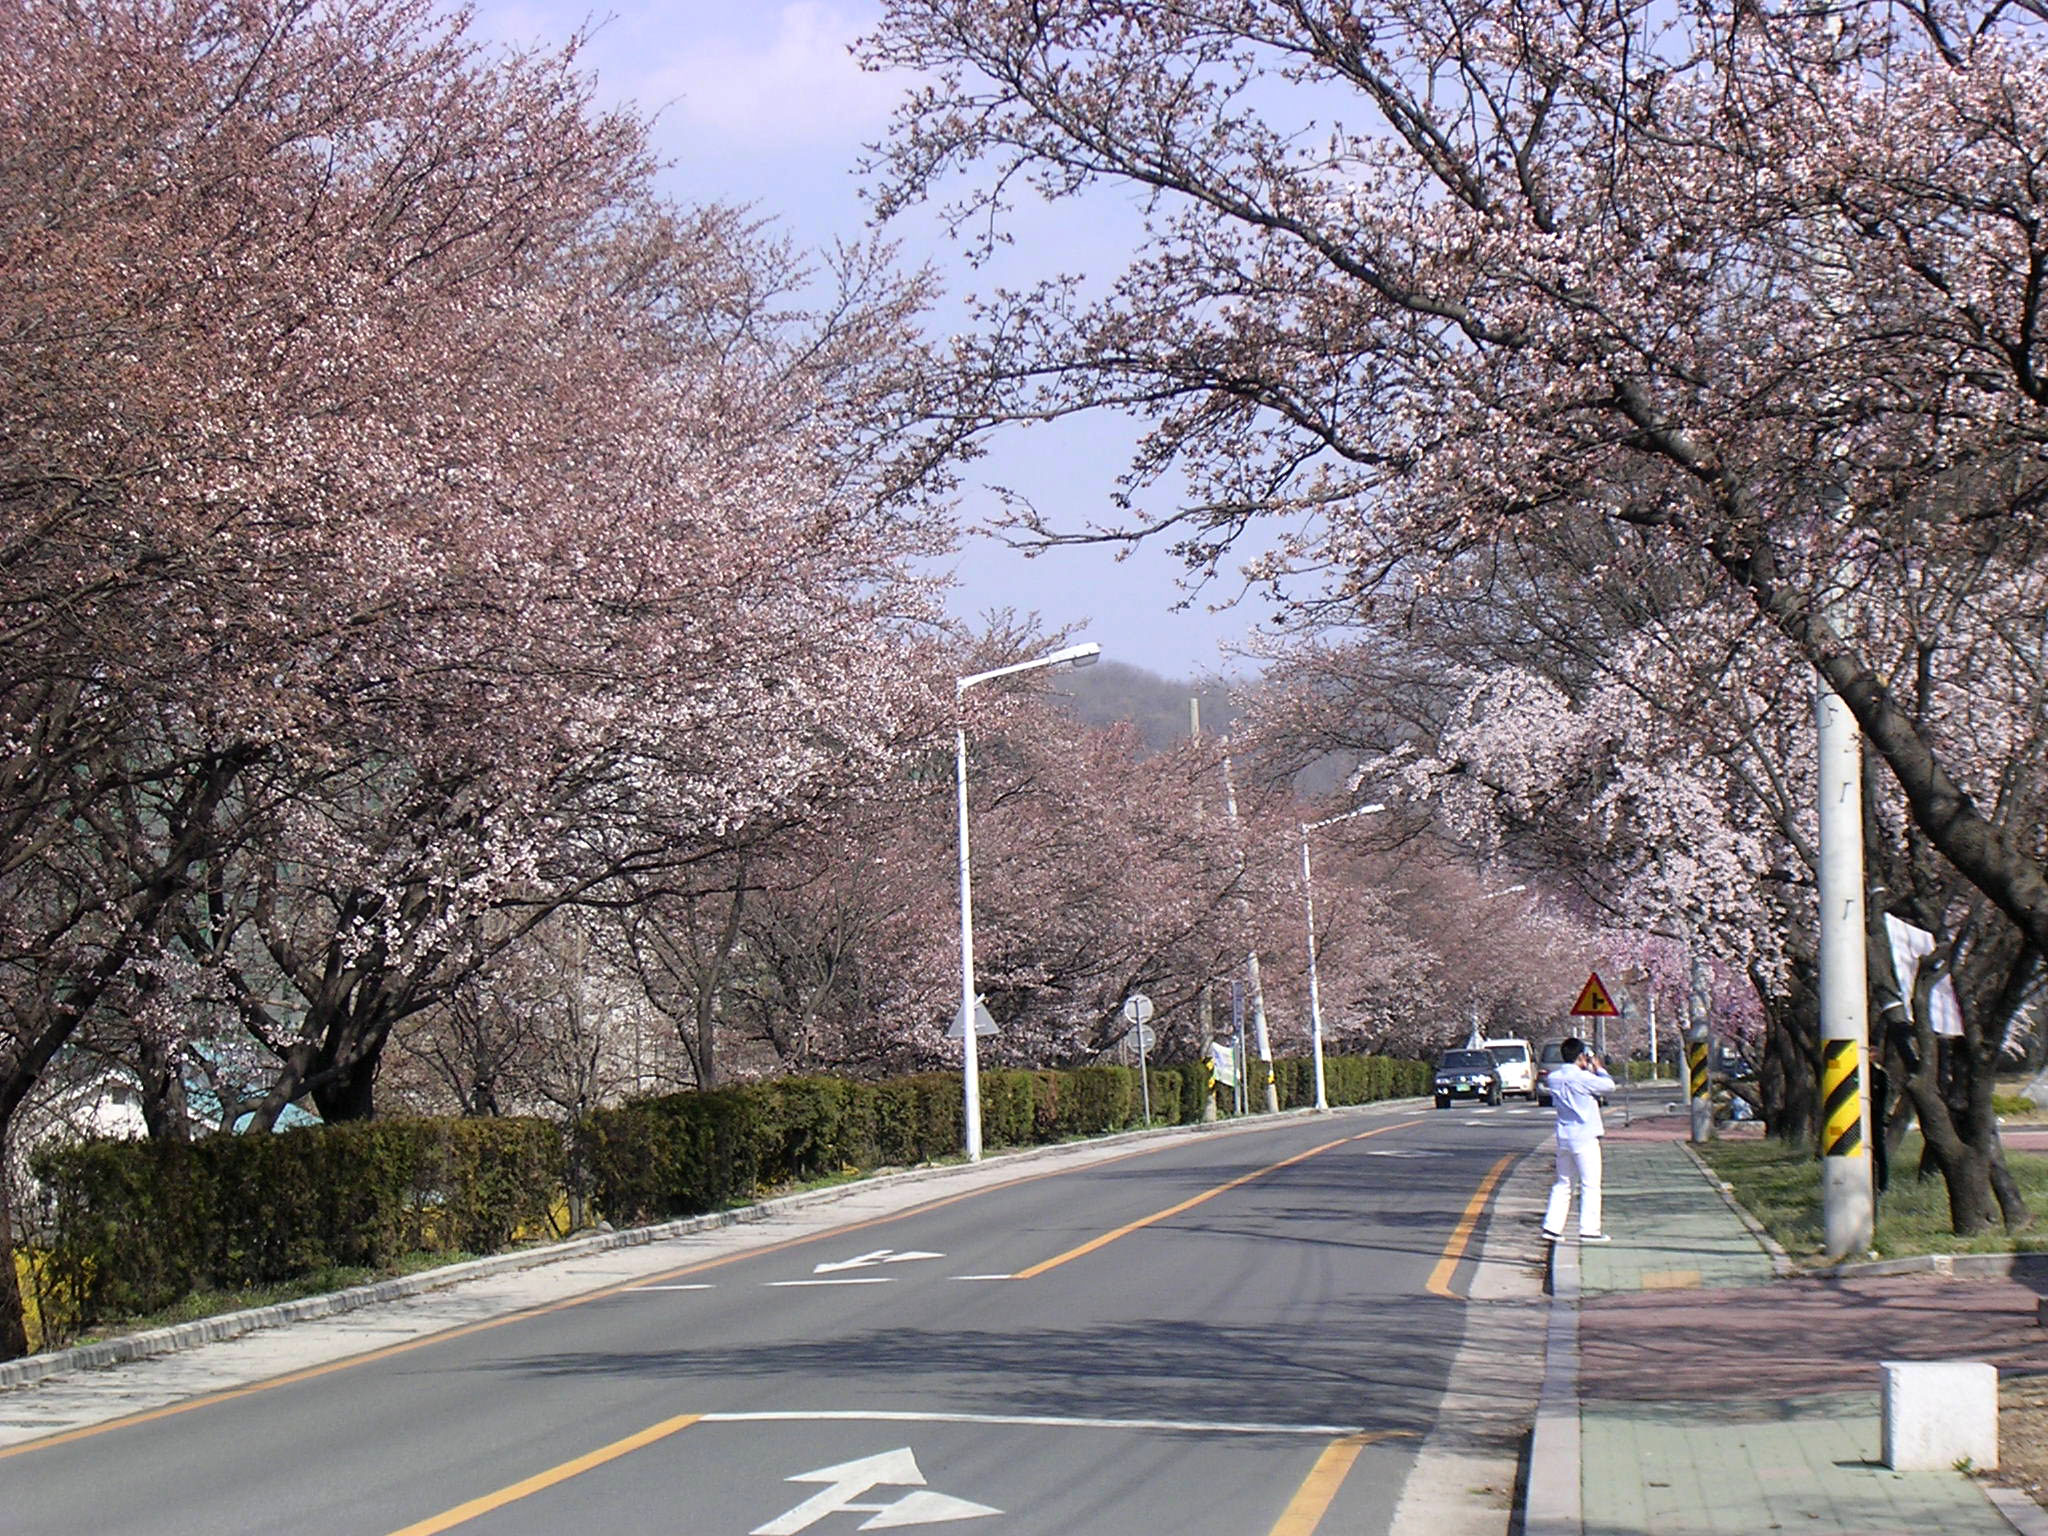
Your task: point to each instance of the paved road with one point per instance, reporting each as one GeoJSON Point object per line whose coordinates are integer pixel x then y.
{"type": "Point", "coordinates": [1227, 1334]}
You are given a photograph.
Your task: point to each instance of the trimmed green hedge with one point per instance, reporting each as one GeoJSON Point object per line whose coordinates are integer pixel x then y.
{"type": "Point", "coordinates": [138, 1225]}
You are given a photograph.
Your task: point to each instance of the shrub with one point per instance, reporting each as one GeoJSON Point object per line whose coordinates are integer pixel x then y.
{"type": "Point", "coordinates": [137, 1225]}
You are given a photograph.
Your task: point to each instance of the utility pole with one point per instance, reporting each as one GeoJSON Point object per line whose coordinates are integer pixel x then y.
{"type": "Point", "coordinates": [1848, 1206]}
{"type": "Point", "coordinates": [1848, 1214]}
{"type": "Point", "coordinates": [1653, 1029]}
{"type": "Point", "coordinates": [1700, 1001]}
{"type": "Point", "coordinates": [1208, 1010]}
{"type": "Point", "coordinates": [1244, 907]}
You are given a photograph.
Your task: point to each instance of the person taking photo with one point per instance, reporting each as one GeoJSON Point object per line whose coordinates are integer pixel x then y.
{"type": "Point", "coordinates": [1575, 1088]}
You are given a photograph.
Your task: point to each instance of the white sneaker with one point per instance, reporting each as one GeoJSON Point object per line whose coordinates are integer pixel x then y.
{"type": "Point", "coordinates": [1552, 1237]}
{"type": "Point", "coordinates": [1595, 1237]}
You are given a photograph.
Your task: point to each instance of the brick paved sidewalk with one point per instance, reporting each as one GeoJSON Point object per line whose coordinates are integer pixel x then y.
{"type": "Point", "coordinates": [1715, 1398]}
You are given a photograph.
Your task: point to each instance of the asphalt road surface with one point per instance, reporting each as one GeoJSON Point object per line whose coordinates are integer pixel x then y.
{"type": "Point", "coordinates": [1232, 1335]}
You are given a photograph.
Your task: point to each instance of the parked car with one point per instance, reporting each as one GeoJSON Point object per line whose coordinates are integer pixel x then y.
{"type": "Point", "coordinates": [1467, 1075]}
{"type": "Point", "coordinates": [1517, 1065]}
{"type": "Point", "coordinates": [1548, 1059]}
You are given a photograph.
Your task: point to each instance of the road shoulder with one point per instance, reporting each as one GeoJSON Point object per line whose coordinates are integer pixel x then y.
{"type": "Point", "coordinates": [1463, 1482]}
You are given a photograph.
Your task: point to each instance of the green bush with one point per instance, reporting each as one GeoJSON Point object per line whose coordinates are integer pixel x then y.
{"type": "Point", "coordinates": [138, 1225]}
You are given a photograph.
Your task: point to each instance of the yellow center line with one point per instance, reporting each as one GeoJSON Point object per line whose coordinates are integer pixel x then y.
{"type": "Point", "coordinates": [1189, 1204]}
{"type": "Point", "coordinates": [1447, 1266]}
{"type": "Point", "coordinates": [465, 1330]}
{"type": "Point", "coordinates": [1312, 1499]}
{"type": "Point", "coordinates": [514, 1492]}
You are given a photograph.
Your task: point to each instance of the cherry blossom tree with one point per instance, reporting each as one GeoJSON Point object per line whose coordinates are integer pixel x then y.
{"type": "Point", "coordinates": [1738, 280]}
{"type": "Point", "coordinates": [1749, 290]}
{"type": "Point", "coordinates": [412, 525]}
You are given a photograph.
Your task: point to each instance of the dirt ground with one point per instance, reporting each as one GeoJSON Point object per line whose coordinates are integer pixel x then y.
{"type": "Point", "coordinates": [2023, 1436]}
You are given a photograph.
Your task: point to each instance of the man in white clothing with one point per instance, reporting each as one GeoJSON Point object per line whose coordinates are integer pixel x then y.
{"type": "Point", "coordinates": [1575, 1088]}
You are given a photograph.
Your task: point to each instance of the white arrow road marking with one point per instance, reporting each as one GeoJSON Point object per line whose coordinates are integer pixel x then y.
{"type": "Point", "coordinates": [924, 1508]}
{"type": "Point", "coordinates": [879, 1256]}
{"type": "Point", "coordinates": [851, 1479]}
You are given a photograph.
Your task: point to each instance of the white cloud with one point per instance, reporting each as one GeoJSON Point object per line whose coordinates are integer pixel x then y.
{"type": "Point", "coordinates": [796, 86]}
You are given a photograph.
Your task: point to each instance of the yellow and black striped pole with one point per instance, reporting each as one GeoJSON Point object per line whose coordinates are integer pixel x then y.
{"type": "Point", "coordinates": [1698, 1039]}
{"type": "Point", "coordinates": [1841, 1097]}
{"type": "Point", "coordinates": [1848, 1202]}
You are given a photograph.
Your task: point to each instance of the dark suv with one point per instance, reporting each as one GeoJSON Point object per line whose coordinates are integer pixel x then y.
{"type": "Point", "coordinates": [1467, 1075]}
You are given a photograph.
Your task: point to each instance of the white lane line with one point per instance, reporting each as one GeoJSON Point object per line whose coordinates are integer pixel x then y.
{"type": "Point", "coordinates": [984, 1277]}
{"type": "Point", "coordinates": [1046, 1421]}
{"type": "Point", "coordinates": [668, 1288]}
{"type": "Point", "coordinates": [849, 1280]}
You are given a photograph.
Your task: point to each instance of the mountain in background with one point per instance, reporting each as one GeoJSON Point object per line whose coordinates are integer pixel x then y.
{"type": "Point", "coordinates": [1111, 691]}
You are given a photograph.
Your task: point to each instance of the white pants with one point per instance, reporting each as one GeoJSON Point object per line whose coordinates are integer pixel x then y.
{"type": "Point", "coordinates": [1577, 1159]}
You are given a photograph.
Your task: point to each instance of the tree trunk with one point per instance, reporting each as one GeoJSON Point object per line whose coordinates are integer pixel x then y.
{"type": "Point", "coordinates": [1997, 860]}
{"type": "Point", "coordinates": [13, 1313]}
{"type": "Point", "coordinates": [1965, 1169]}
{"type": "Point", "coordinates": [164, 1111]}
{"type": "Point", "coordinates": [711, 982]}
{"type": "Point", "coordinates": [1790, 1074]}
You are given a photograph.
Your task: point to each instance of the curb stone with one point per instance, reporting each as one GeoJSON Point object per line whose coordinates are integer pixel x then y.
{"type": "Point", "coordinates": [1553, 1503]}
{"type": "Point", "coordinates": [233, 1325]}
{"type": "Point", "coordinates": [2021, 1512]}
{"type": "Point", "coordinates": [1782, 1266]}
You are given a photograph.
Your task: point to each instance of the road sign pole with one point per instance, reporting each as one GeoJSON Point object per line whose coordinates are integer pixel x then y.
{"type": "Point", "coordinates": [1137, 1011]}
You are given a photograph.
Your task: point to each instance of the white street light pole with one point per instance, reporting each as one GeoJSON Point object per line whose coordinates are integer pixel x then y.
{"type": "Point", "coordinates": [1315, 985]}
{"type": "Point", "coordinates": [970, 1057]}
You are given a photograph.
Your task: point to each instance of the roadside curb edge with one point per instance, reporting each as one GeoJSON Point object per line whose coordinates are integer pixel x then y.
{"type": "Point", "coordinates": [1554, 1504]}
{"type": "Point", "coordinates": [233, 1325]}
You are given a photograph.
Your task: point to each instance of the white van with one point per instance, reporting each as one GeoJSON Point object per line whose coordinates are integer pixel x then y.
{"type": "Point", "coordinates": [1517, 1063]}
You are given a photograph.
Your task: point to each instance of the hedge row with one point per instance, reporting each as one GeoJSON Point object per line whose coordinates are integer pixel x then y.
{"type": "Point", "coordinates": [135, 1226]}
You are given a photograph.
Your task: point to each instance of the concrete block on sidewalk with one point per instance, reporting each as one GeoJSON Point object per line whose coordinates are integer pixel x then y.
{"type": "Point", "coordinates": [1938, 1413]}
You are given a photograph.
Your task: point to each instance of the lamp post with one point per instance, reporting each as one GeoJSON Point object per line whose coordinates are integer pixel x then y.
{"type": "Point", "coordinates": [970, 1059]}
{"type": "Point", "coordinates": [1478, 1034]}
{"type": "Point", "coordinates": [1315, 986]}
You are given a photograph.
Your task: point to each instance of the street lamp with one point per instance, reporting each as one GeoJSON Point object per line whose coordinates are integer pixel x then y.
{"type": "Point", "coordinates": [1315, 987]}
{"type": "Point", "coordinates": [970, 1057]}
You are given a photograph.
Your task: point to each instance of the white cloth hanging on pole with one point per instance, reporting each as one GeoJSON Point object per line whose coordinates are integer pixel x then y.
{"type": "Point", "coordinates": [1911, 945]}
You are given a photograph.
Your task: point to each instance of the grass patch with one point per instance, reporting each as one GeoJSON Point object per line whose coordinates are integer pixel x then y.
{"type": "Point", "coordinates": [1780, 1187]}
{"type": "Point", "coordinates": [203, 1304]}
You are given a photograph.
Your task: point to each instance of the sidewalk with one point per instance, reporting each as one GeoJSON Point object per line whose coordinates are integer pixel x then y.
{"type": "Point", "coordinates": [1708, 1396]}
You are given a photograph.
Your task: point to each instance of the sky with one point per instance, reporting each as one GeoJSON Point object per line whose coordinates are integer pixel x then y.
{"type": "Point", "coordinates": [759, 102]}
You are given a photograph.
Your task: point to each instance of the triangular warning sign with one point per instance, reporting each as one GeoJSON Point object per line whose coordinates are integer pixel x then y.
{"type": "Point", "coordinates": [1594, 1002]}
